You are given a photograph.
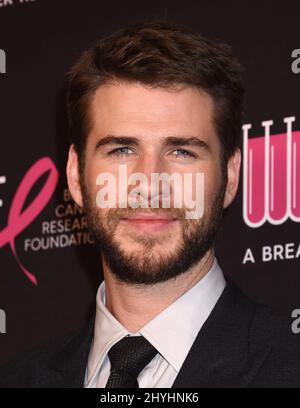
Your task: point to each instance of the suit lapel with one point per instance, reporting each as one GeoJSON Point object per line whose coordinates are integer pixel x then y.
{"type": "Point", "coordinates": [70, 363]}
{"type": "Point", "coordinates": [231, 346]}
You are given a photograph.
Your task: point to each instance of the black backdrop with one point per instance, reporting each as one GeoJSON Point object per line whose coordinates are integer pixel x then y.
{"type": "Point", "coordinates": [41, 39]}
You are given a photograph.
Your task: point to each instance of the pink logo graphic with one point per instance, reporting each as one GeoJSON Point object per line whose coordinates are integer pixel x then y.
{"type": "Point", "coordinates": [271, 176]}
{"type": "Point", "coordinates": [18, 220]}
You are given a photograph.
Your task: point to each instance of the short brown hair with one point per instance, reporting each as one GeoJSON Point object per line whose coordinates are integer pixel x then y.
{"type": "Point", "coordinates": [159, 54]}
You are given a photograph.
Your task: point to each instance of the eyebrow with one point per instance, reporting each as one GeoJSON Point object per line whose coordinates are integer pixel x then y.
{"type": "Point", "coordinates": [166, 141]}
{"type": "Point", "coordinates": [117, 140]}
{"type": "Point", "coordinates": [186, 141]}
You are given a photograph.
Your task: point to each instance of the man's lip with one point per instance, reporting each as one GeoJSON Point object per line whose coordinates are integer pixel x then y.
{"type": "Point", "coordinates": [148, 223]}
{"type": "Point", "coordinates": [148, 217]}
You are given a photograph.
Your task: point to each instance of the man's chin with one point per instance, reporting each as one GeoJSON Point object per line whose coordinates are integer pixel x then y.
{"type": "Point", "coordinates": [146, 253]}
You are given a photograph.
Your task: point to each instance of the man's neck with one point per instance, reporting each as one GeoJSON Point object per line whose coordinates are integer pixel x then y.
{"type": "Point", "coordinates": [135, 305]}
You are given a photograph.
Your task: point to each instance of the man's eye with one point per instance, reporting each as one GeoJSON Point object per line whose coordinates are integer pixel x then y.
{"type": "Point", "coordinates": [120, 151]}
{"type": "Point", "coordinates": [183, 153]}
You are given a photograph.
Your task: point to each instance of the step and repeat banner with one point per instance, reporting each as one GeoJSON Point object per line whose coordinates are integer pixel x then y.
{"type": "Point", "coordinates": [49, 268]}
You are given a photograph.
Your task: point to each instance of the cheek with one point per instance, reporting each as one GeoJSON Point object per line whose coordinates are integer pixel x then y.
{"type": "Point", "coordinates": [208, 177]}
{"type": "Point", "coordinates": [212, 184]}
{"type": "Point", "coordinates": [91, 173]}
{"type": "Point", "coordinates": [88, 175]}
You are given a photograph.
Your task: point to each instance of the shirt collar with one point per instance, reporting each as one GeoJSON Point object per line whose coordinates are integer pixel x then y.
{"type": "Point", "coordinates": [172, 332]}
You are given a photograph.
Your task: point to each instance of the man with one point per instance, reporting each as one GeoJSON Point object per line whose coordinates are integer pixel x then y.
{"type": "Point", "coordinates": [157, 98]}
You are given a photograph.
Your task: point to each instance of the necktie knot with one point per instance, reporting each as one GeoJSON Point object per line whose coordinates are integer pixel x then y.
{"type": "Point", "coordinates": [128, 357]}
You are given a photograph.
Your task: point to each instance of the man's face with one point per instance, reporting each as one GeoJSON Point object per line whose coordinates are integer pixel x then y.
{"type": "Point", "coordinates": [139, 249]}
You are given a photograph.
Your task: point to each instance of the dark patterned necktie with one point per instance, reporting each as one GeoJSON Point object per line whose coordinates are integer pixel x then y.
{"type": "Point", "coordinates": [127, 358]}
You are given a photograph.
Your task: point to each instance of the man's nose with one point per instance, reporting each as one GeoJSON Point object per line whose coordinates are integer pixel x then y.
{"type": "Point", "coordinates": [149, 164]}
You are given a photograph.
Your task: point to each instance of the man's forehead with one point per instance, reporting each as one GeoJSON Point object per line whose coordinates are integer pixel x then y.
{"type": "Point", "coordinates": [115, 107]}
{"type": "Point", "coordinates": [138, 99]}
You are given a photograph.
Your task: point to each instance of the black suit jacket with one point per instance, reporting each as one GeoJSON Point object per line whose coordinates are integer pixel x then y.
{"type": "Point", "coordinates": [242, 344]}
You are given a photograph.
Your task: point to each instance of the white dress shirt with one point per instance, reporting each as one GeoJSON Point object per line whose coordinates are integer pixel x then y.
{"type": "Point", "coordinates": [172, 332]}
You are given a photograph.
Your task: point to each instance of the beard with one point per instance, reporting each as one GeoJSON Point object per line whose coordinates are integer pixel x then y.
{"type": "Point", "coordinates": [147, 266]}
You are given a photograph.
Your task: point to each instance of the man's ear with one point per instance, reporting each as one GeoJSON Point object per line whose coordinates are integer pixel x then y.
{"type": "Point", "coordinates": [233, 171]}
{"type": "Point", "coordinates": [72, 171]}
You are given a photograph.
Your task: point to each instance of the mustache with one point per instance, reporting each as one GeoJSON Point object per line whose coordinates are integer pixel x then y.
{"type": "Point", "coordinates": [118, 213]}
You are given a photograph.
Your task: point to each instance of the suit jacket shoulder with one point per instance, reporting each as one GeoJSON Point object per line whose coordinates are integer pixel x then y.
{"type": "Point", "coordinates": [242, 344]}
{"type": "Point", "coordinates": [60, 363]}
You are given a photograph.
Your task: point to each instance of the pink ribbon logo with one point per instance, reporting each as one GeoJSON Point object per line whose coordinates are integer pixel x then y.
{"type": "Point", "coordinates": [18, 220]}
